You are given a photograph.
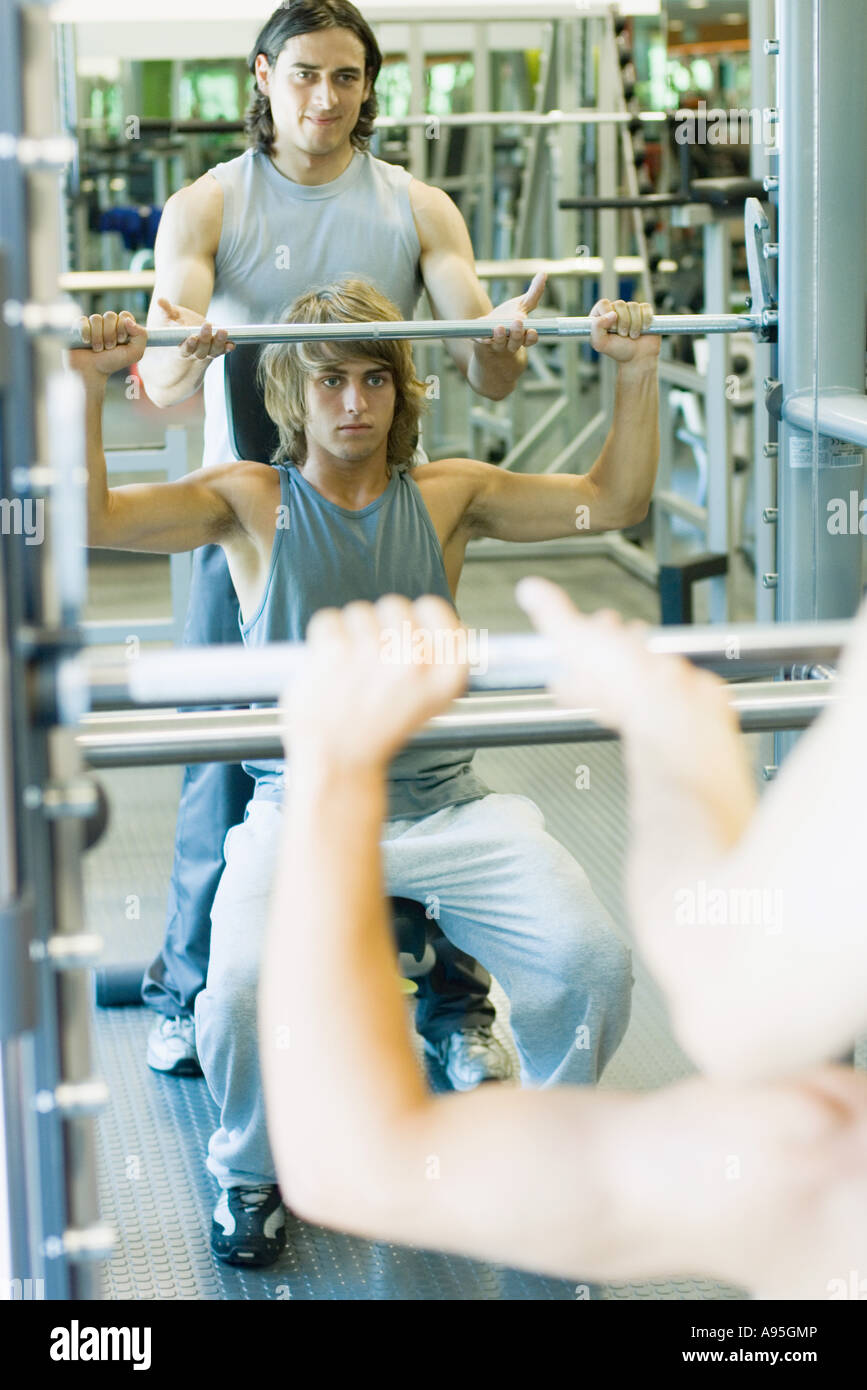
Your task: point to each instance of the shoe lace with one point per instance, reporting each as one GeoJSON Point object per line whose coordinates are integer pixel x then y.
{"type": "Point", "coordinates": [476, 1039]}
{"type": "Point", "coordinates": [175, 1027]}
{"type": "Point", "coordinates": [251, 1198]}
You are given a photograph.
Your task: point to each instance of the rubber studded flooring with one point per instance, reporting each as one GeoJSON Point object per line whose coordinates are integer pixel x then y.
{"type": "Point", "coordinates": [154, 1187]}
{"type": "Point", "coordinates": [158, 1196]}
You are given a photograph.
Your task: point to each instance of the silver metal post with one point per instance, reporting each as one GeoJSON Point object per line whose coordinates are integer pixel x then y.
{"type": "Point", "coordinates": [483, 140]}
{"type": "Point", "coordinates": [716, 238]}
{"type": "Point", "coordinates": [823, 284]}
{"type": "Point", "coordinates": [58, 1202]}
{"type": "Point", "coordinates": [418, 122]}
{"type": "Point", "coordinates": [533, 180]}
{"type": "Point", "coordinates": [763, 71]}
{"type": "Point", "coordinates": [608, 220]}
{"type": "Point", "coordinates": [15, 1260]}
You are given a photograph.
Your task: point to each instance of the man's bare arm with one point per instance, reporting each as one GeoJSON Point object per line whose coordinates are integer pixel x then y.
{"type": "Point", "coordinates": [186, 247]}
{"type": "Point", "coordinates": [573, 1183]}
{"type": "Point", "coordinates": [753, 921]}
{"type": "Point", "coordinates": [163, 518]}
{"type": "Point", "coordinates": [448, 269]}
{"type": "Point", "coordinates": [615, 493]}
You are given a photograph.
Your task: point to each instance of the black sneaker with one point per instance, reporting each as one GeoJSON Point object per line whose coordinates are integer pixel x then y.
{"type": "Point", "coordinates": [249, 1226]}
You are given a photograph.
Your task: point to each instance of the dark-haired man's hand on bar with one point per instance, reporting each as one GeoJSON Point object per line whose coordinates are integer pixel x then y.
{"type": "Point", "coordinates": [205, 342]}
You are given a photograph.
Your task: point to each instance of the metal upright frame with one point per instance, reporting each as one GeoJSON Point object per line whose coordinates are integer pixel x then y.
{"type": "Point", "coordinates": [50, 1220]}
{"type": "Point", "coordinates": [823, 286]}
{"type": "Point", "coordinates": [763, 165]}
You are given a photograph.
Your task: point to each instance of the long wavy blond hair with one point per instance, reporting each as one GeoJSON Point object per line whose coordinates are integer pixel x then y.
{"type": "Point", "coordinates": [285, 368]}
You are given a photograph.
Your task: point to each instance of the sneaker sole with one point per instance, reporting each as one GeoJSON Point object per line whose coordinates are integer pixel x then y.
{"type": "Point", "coordinates": [184, 1067]}
{"type": "Point", "coordinates": [247, 1259]}
{"type": "Point", "coordinates": [465, 1086]}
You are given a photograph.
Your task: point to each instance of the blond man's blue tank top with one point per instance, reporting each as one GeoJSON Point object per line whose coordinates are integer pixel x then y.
{"type": "Point", "coordinates": [326, 556]}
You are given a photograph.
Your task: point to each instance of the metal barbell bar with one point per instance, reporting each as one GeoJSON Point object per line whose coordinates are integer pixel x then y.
{"type": "Point", "coordinates": [663, 325]}
{"type": "Point", "coordinates": [202, 675]}
{"type": "Point", "coordinates": [154, 739]}
{"type": "Point", "coordinates": [530, 119]}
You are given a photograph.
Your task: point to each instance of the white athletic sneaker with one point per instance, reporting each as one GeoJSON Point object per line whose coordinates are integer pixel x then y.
{"type": "Point", "coordinates": [470, 1057]}
{"type": "Point", "coordinates": [172, 1047]}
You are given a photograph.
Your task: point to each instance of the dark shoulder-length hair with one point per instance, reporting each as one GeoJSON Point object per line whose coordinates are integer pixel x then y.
{"type": "Point", "coordinates": [306, 17]}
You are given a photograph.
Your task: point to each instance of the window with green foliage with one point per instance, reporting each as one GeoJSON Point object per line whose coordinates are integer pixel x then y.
{"type": "Point", "coordinates": [393, 89]}
{"type": "Point", "coordinates": [210, 94]}
{"type": "Point", "coordinates": [105, 106]}
{"type": "Point", "coordinates": [658, 94]}
{"type": "Point", "coordinates": [449, 87]}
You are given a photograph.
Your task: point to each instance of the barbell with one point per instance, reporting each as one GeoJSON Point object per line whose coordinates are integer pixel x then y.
{"type": "Point", "coordinates": [383, 330]}
{"type": "Point", "coordinates": [156, 738]}
{"type": "Point", "coordinates": [499, 662]}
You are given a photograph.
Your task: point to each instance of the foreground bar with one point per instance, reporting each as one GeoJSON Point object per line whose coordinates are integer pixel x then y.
{"type": "Point", "coordinates": [202, 675]}
{"type": "Point", "coordinates": [382, 330]}
{"type": "Point", "coordinates": [146, 740]}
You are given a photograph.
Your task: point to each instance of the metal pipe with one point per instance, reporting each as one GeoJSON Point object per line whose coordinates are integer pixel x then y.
{"type": "Point", "coordinates": [839, 414]}
{"type": "Point", "coordinates": [383, 330]}
{"type": "Point", "coordinates": [81, 282]}
{"type": "Point", "coordinates": [158, 125]}
{"type": "Point", "coordinates": [147, 740]}
{"type": "Point", "coordinates": [640, 200]}
{"type": "Point", "coordinates": [202, 675]}
{"type": "Point", "coordinates": [590, 116]}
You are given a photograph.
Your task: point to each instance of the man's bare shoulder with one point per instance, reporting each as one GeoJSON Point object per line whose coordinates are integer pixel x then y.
{"type": "Point", "coordinates": [433, 210]}
{"type": "Point", "coordinates": [196, 213]}
{"type": "Point", "coordinates": [251, 490]}
{"type": "Point", "coordinates": [246, 472]}
{"type": "Point", "coordinates": [242, 481]}
{"type": "Point", "coordinates": [452, 470]}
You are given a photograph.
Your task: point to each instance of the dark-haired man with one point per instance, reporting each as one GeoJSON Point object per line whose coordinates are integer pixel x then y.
{"type": "Point", "coordinates": [304, 205]}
